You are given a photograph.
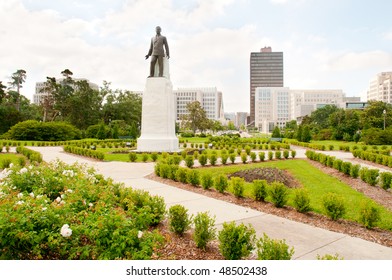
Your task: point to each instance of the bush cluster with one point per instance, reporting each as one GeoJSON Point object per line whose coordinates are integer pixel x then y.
{"type": "Point", "coordinates": [380, 158]}
{"type": "Point", "coordinates": [84, 152]}
{"type": "Point", "coordinates": [43, 131]}
{"type": "Point", "coordinates": [370, 176]}
{"type": "Point", "coordinates": [32, 156]}
{"type": "Point", "coordinates": [59, 211]}
{"type": "Point", "coordinates": [179, 219]}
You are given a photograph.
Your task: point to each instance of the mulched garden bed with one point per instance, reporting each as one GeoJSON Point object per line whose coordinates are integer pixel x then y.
{"type": "Point", "coordinates": [350, 228]}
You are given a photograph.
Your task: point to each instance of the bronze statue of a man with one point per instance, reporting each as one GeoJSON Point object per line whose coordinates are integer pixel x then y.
{"type": "Point", "coordinates": [157, 52]}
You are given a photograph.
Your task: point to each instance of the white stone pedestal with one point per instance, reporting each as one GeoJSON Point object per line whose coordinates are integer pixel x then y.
{"type": "Point", "coordinates": [158, 117]}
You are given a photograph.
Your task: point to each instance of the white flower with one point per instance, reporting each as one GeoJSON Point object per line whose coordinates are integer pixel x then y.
{"type": "Point", "coordinates": [69, 190]}
{"type": "Point", "coordinates": [44, 208]}
{"type": "Point", "coordinates": [62, 196]}
{"type": "Point", "coordinates": [11, 165]}
{"type": "Point", "coordinates": [66, 231]}
{"type": "Point", "coordinates": [23, 170]}
{"type": "Point", "coordinates": [20, 202]}
{"type": "Point", "coordinates": [32, 195]}
{"type": "Point", "coordinates": [62, 202]}
{"type": "Point", "coordinates": [30, 167]}
{"type": "Point", "coordinates": [20, 195]}
{"type": "Point", "coordinates": [58, 199]}
{"type": "Point", "coordinates": [39, 196]}
{"type": "Point", "coordinates": [90, 204]}
{"type": "Point", "coordinates": [139, 234]}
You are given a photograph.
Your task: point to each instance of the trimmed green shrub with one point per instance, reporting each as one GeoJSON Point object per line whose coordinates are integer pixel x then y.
{"type": "Point", "coordinates": [372, 176]}
{"type": "Point", "coordinates": [193, 177]}
{"type": "Point", "coordinates": [247, 150]}
{"type": "Point", "coordinates": [253, 156]}
{"type": "Point", "coordinates": [302, 200]}
{"type": "Point", "coordinates": [270, 155]}
{"type": "Point", "coordinates": [270, 249]}
{"type": "Point", "coordinates": [5, 163]}
{"type": "Point", "coordinates": [207, 181]}
{"type": "Point", "coordinates": [337, 164]}
{"type": "Point", "coordinates": [221, 183]}
{"type": "Point", "coordinates": [203, 159]}
{"type": "Point", "coordinates": [369, 215]}
{"type": "Point", "coordinates": [213, 159]}
{"type": "Point", "coordinates": [224, 158]}
{"type": "Point", "coordinates": [346, 167]}
{"type": "Point", "coordinates": [260, 189]}
{"type": "Point", "coordinates": [334, 206]}
{"type": "Point", "coordinates": [236, 242]}
{"type": "Point", "coordinates": [189, 161]}
{"type": "Point", "coordinates": [279, 194]}
{"type": "Point", "coordinates": [385, 180]}
{"type": "Point", "coordinates": [179, 220]}
{"type": "Point", "coordinates": [262, 156]}
{"type": "Point", "coordinates": [362, 173]}
{"type": "Point", "coordinates": [238, 186]}
{"type": "Point", "coordinates": [244, 157]}
{"type": "Point", "coordinates": [132, 157]}
{"type": "Point", "coordinates": [181, 175]}
{"type": "Point", "coordinates": [176, 159]}
{"type": "Point", "coordinates": [232, 158]}
{"type": "Point", "coordinates": [144, 157]}
{"type": "Point", "coordinates": [278, 155]}
{"type": "Point", "coordinates": [354, 171]}
{"type": "Point", "coordinates": [204, 230]}
{"type": "Point", "coordinates": [154, 156]}
{"type": "Point", "coordinates": [164, 170]}
{"type": "Point", "coordinates": [293, 153]}
{"type": "Point", "coordinates": [286, 154]}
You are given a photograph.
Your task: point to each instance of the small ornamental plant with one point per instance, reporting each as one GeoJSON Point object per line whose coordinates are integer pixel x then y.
{"type": "Point", "coordinates": [270, 249]}
{"type": "Point", "coordinates": [236, 242]}
{"type": "Point", "coordinates": [221, 183]}
{"type": "Point", "coordinates": [179, 219]}
{"type": "Point", "coordinates": [237, 186]}
{"type": "Point", "coordinates": [206, 181]}
{"type": "Point", "coordinates": [260, 190]}
{"type": "Point", "coordinates": [334, 206]}
{"type": "Point", "coordinates": [279, 194]}
{"type": "Point", "coordinates": [203, 159]}
{"type": "Point", "coordinates": [204, 230]}
{"type": "Point", "coordinates": [189, 161]}
{"type": "Point", "coordinates": [301, 200]}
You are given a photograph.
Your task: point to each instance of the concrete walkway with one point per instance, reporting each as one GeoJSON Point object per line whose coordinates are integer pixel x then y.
{"type": "Point", "coordinates": [308, 241]}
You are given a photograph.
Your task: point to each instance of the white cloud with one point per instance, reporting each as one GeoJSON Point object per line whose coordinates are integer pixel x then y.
{"type": "Point", "coordinates": [388, 36]}
{"type": "Point", "coordinates": [360, 60]}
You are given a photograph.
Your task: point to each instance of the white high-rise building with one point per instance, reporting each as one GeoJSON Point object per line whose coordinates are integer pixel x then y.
{"type": "Point", "coordinates": [380, 88]}
{"type": "Point", "coordinates": [209, 97]}
{"type": "Point", "coordinates": [40, 93]}
{"type": "Point", "coordinates": [275, 106]}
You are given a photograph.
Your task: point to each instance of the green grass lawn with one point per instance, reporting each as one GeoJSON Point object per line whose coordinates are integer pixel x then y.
{"type": "Point", "coordinates": [316, 182]}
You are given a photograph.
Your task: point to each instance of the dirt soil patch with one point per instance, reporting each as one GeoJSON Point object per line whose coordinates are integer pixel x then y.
{"type": "Point", "coordinates": [270, 174]}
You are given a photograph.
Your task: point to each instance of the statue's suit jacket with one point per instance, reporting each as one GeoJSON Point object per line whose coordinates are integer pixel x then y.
{"type": "Point", "coordinates": [156, 47]}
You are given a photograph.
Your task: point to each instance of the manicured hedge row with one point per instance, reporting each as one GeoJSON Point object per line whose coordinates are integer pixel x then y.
{"type": "Point", "coordinates": [370, 176]}
{"type": "Point", "coordinates": [384, 159]}
{"type": "Point", "coordinates": [84, 152]}
{"type": "Point", "coordinates": [33, 156]}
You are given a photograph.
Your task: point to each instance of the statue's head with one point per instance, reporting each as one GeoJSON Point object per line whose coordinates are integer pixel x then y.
{"type": "Point", "coordinates": [158, 29]}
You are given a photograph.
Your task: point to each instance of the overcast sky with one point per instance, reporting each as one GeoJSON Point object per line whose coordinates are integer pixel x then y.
{"type": "Point", "coordinates": [337, 44]}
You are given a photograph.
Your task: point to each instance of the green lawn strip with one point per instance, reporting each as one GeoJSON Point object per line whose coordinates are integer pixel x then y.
{"type": "Point", "coordinates": [317, 183]}
{"type": "Point", "coordinates": [194, 139]}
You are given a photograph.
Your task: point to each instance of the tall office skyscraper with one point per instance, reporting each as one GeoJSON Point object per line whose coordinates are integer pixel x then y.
{"type": "Point", "coordinates": [266, 70]}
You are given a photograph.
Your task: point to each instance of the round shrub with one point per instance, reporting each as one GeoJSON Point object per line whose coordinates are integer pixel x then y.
{"type": "Point", "coordinates": [224, 158]}
{"type": "Point", "coordinates": [302, 200]}
{"type": "Point", "coordinates": [204, 230]}
{"type": "Point", "coordinates": [244, 157]}
{"type": "Point", "coordinates": [334, 206]}
{"type": "Point", "coordinates": [270, 249]}
{"type": "Point", "coordinates": [193, 177]}
{"type": "Point", "coordinates": [279, 194]}
{"type": "Point", "coordinates": [145, 157]}
{"type": "Point", "coordinates": [238, 186]}
{"type": "Point", "coordinates": [189, 161]}
{"type": "Point", "coordinates": [262, 156]}
{"type": "Point", "coordinates": [221, 183]}
{"type": "Point", "coordinates": [179, 220]}
{"type": "Point", "coordinates": [253, 156]}
{"type": "Point", "coordinates": [213, 159]}
{"type": "Point", "coordinates": [278, 154]}
{"type": "Point", "coordinates": [203, 159]}
{"type": "Point", "coordinates": [270, 155]}
{"type": "Point", "coordinates": [236, 242]}
{"type": "Point", "coordinates": [154, 156]}
{"type": "Point", "coordinates": [369, 215]}
{"type": "Point", "coordinates": [293, 153]}
{"type": "Point", "coordinates": [232, 157]}
{"type": "Point", "coordinates": [181, 175]}
{"type": "Point", "coordinates": [132, 157]}
{"type": "Point", "coordinates": [207, 181]}
{"type": "Point", "coordinates": [260, 190]}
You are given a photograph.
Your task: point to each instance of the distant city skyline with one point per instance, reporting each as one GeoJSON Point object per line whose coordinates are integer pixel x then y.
{"type": "Point", "coordinates": [326, 44]}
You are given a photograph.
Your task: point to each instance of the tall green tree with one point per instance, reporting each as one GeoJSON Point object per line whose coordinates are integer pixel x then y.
{"type": "Point", "coordinates": [320, 116]}
{"type": "Point", "coordinates": [17, 79]}
{"type": "Point", "coordinates": [196, 119]}
{"type": "Point", "coordinates": [2, 91]}
{"type": "Point", "coordinates": [373, 116]}
{"type": "Point", "coordinates": [276, 132]}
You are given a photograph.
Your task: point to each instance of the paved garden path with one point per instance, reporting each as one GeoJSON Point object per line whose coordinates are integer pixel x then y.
{"type": "Point", "coordinates": [307, 240]}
